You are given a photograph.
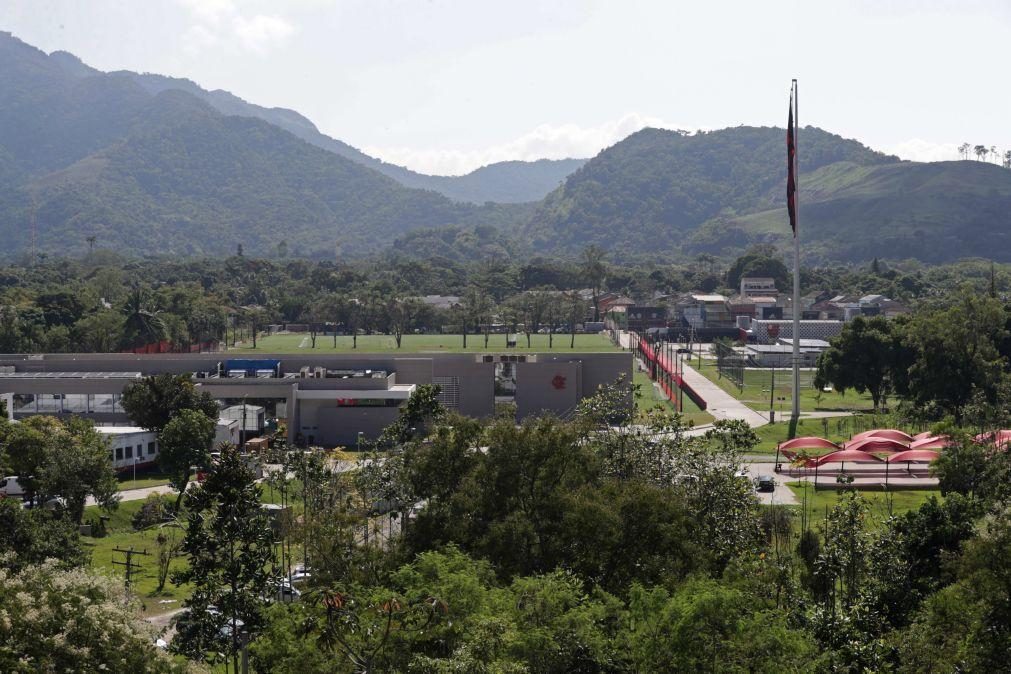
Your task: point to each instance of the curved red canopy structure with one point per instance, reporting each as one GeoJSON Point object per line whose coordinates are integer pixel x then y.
{"type": "Point", "coordinates": [809, 442]}
{"type": "Point", "coordinates": [914, 455]}
{"type": "Point", "coordinates": [889, 433]}
{"type": "Point", "coordinates": [934, 442]}
{"type": "Point", "coordinates": [921, 436]}
{"type": "Point", "coordinates": [997, 438]}
{"type": "Point", "coordinates": [876, 444]}
{"type": "Point", "coordinates": [842, 455]}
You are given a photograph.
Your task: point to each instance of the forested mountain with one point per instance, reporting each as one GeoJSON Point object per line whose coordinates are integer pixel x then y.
{"type": "Point", "coordinates": [91, 154]}
{"type": "Point", "coordinates": [935, 212]}
{"type": "Point", "coordinates": [650, 190]}
{"type": "Point", "coordinates": [504, 182]}
{"type": "Point", "coordinates": [723, 191]}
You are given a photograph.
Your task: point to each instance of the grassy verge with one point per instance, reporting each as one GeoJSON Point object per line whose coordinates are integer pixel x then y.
{"type": "Point", "coordinates": [650, 399]}
{"type": "Point", "coordinates": [300, 343]}
{"type": "Point", "coordinates": [758, 389]}
{"type": "Point", "coordinates": [147, 479]}
{"type": "Point", "coordinates": [881, 503]}
{"type": "Point", "coordinates": [144, 580]}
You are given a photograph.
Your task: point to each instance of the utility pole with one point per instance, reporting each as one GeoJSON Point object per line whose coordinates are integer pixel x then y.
{"type": "Point", "coordinates": [129, 564]}
{"type": "Point", "coordinates": [772, 397]}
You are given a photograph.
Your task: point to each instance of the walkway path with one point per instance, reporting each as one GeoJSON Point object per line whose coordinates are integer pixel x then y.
{"type": "Point", "coordinates": [719, 403]}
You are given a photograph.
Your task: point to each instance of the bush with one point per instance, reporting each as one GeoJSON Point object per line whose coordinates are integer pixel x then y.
{"type": "Point", "coordinates": [155, 510]}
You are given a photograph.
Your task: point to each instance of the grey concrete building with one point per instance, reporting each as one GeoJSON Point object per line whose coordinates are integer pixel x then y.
{"type": "Point", "coordinates": [325, 399]}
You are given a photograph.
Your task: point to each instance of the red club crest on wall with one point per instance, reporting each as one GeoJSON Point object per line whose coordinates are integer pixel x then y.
{"type": "Point", "coordinates": [558, 382]}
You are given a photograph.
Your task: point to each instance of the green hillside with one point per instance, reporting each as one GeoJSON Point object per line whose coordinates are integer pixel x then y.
{"type": "Point", "coordinates": [934, 212]}
{"type": "Point", "coordinates": [656, 186]}
{"type": "Point", "coordinates": [93, 154]}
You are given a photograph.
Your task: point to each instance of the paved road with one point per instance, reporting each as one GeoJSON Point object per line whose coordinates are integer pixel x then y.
{"type": "Point", "coordinates": [782, 494]}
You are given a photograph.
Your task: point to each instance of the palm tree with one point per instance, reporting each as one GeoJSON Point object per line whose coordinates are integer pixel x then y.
{"type": "Point", "coordinates": [91, 243]}
{"type": "Point", "coordinates": [144, 324]}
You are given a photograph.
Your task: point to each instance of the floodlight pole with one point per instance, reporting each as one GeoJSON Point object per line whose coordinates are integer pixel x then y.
{"type": "Point", "coordinates": [796, 264]}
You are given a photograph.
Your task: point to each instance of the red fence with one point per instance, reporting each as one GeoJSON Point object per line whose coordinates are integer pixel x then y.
{"type": "Point", "coordinates": [664, 371]}
{"type": "Point", "coordinates": [166, 346]}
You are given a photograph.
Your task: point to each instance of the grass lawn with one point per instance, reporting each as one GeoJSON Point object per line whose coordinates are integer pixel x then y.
{"type": "Point", "coordinates": [146, 479]}
{"type": "Point", "coordinates": [297, 343]}
{"type": "Point", "coordinates": [758, 389]}
{"type": "Point", "coordinates": [144, 580]}
{"type": "Point", "coordinates": [121, 534]}
{"type": "Point", "coordinates": [818, 502]}
{"type": "Point", "coordinates": [651, 398]}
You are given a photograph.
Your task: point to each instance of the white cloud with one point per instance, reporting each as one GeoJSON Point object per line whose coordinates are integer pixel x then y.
{"type": "Point", "coordinates": [261, 31]}
{"type": "Point", "coordinates": [546, 141]}
{"type": "Point", "coordinates": [223, 23]}
{"type": "Point", "coordinates": [916, 149]}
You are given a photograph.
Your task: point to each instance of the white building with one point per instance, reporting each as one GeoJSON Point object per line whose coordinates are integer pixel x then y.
{"type": "Point", "coordinates": [130, 445]}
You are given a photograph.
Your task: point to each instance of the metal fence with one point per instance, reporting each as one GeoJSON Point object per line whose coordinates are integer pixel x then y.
{"type": "Point", "coordinates": [730, 363]}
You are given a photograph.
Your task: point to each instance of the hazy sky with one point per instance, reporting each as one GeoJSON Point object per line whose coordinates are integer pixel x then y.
{"type": "Point", "coordinates": [444, 86]}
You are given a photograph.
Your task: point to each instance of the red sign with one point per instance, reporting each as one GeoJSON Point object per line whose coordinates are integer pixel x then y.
{"type": "Point", "coordinates": [558, 382]}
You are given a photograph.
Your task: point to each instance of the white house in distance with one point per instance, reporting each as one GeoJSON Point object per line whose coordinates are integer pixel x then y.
{"type": "Point", "coordinates": [130, 445]}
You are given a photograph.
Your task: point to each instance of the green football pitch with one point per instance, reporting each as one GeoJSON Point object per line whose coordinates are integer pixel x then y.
{"type": "Point", "coordinates": [300, 342]}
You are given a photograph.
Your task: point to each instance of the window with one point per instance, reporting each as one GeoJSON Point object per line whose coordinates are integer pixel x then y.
{"type": "Point", "coordinates": [140, 451]}
{"type": "Point", "coordinates": [119, 454]}
{"type": "Point", "coordinates": [129, 451]}
{"type": "Point", "coordinates": [151, 449]}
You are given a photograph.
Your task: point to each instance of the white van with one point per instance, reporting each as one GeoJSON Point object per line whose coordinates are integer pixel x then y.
{"type": "Point", "coordinates": [11, 488]}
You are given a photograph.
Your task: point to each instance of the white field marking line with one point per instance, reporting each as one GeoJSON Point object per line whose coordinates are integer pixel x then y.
{"type": "Point", "coordinates": [304, 343]}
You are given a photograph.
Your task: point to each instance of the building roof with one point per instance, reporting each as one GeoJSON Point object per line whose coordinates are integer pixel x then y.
{"type": "Point", "coordinates": [806, 343]}
{"type": "Point", "coordinates": [121, 430]}
{"type": "Point", "coordinates": [709, 298]}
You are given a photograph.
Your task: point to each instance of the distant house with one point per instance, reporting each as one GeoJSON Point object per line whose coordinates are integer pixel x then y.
{"type": "Point", "coordinates": [753, 285]}
{"type": "Point", "coordinates": [444, 302]}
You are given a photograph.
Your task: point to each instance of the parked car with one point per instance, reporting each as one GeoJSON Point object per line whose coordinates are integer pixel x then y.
{"type": "Point", "coordinates": [765, 483]}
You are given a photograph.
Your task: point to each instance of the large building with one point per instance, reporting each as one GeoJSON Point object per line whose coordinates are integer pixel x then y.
{"type": "Point", "coordinates": [325, 399]}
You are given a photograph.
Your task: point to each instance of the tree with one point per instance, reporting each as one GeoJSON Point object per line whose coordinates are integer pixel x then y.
{"type": "Point", "coordinates": [956, 352]}
{"type": "Point", "coordinates": [863, 357]}
{"type": "Point", "coordinates": [594, 271]}
{"type": "Point", "coordinates": [73, 620]}
{"type": "Point", "coordinates": [143, 324]}
{"type": "Point", "coordinates": [29, 537]}
{"type": "Point", "coordinates": [100, 332]}
{"type": "Point", "coordinates": [229, 544]}
{"type": "Point", "coordinates": [981, 152]}
{"type": "Point", "coordinates": [185, 441]}
{"type": "Point", "coordinates": [153, 401]}
{"type": "Point", "coordinates": [963, 150]}
{"type": "Point", "coordinates": [400, 312]}
{"type": "Point", "coordinates": [575, 309]}
{"type": "Point", "coordinates": [69, 460]}
{"type": "Point", "coordinates": [759, 261]}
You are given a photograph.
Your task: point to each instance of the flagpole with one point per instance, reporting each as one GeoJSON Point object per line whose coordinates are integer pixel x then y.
{"type": "Point", "coordinates": [796, 261]}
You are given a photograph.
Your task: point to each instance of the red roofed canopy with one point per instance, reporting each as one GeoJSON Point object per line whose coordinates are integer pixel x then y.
{"type": "Point", "coordinates": [845, 455]}
{"type": "Point", "coordinates": [936, 442]}
{"type": "Point", "coordinates": [876, 444]}
{"type": "Point", "coordinates": [890, 433]}
{"type": "Point", "coordinates": [809, 442]}
{"type": "Point", "coordinates": [917, 455]}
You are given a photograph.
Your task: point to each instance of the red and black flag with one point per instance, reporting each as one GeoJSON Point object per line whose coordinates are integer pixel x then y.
{"type": "Point", "coordinates": [791, 168]}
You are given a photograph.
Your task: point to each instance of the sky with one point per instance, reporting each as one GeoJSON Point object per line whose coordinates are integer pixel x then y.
{"type": "Point", "coordinates": [446, 86]}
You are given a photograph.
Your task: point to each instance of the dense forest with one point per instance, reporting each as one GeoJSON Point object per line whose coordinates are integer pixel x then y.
{"type": "Point", "coordinates": [106, 302]}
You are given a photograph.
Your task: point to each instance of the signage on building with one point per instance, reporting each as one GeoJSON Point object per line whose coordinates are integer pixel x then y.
{"type": "Point", "coordinates": [558, 382]}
